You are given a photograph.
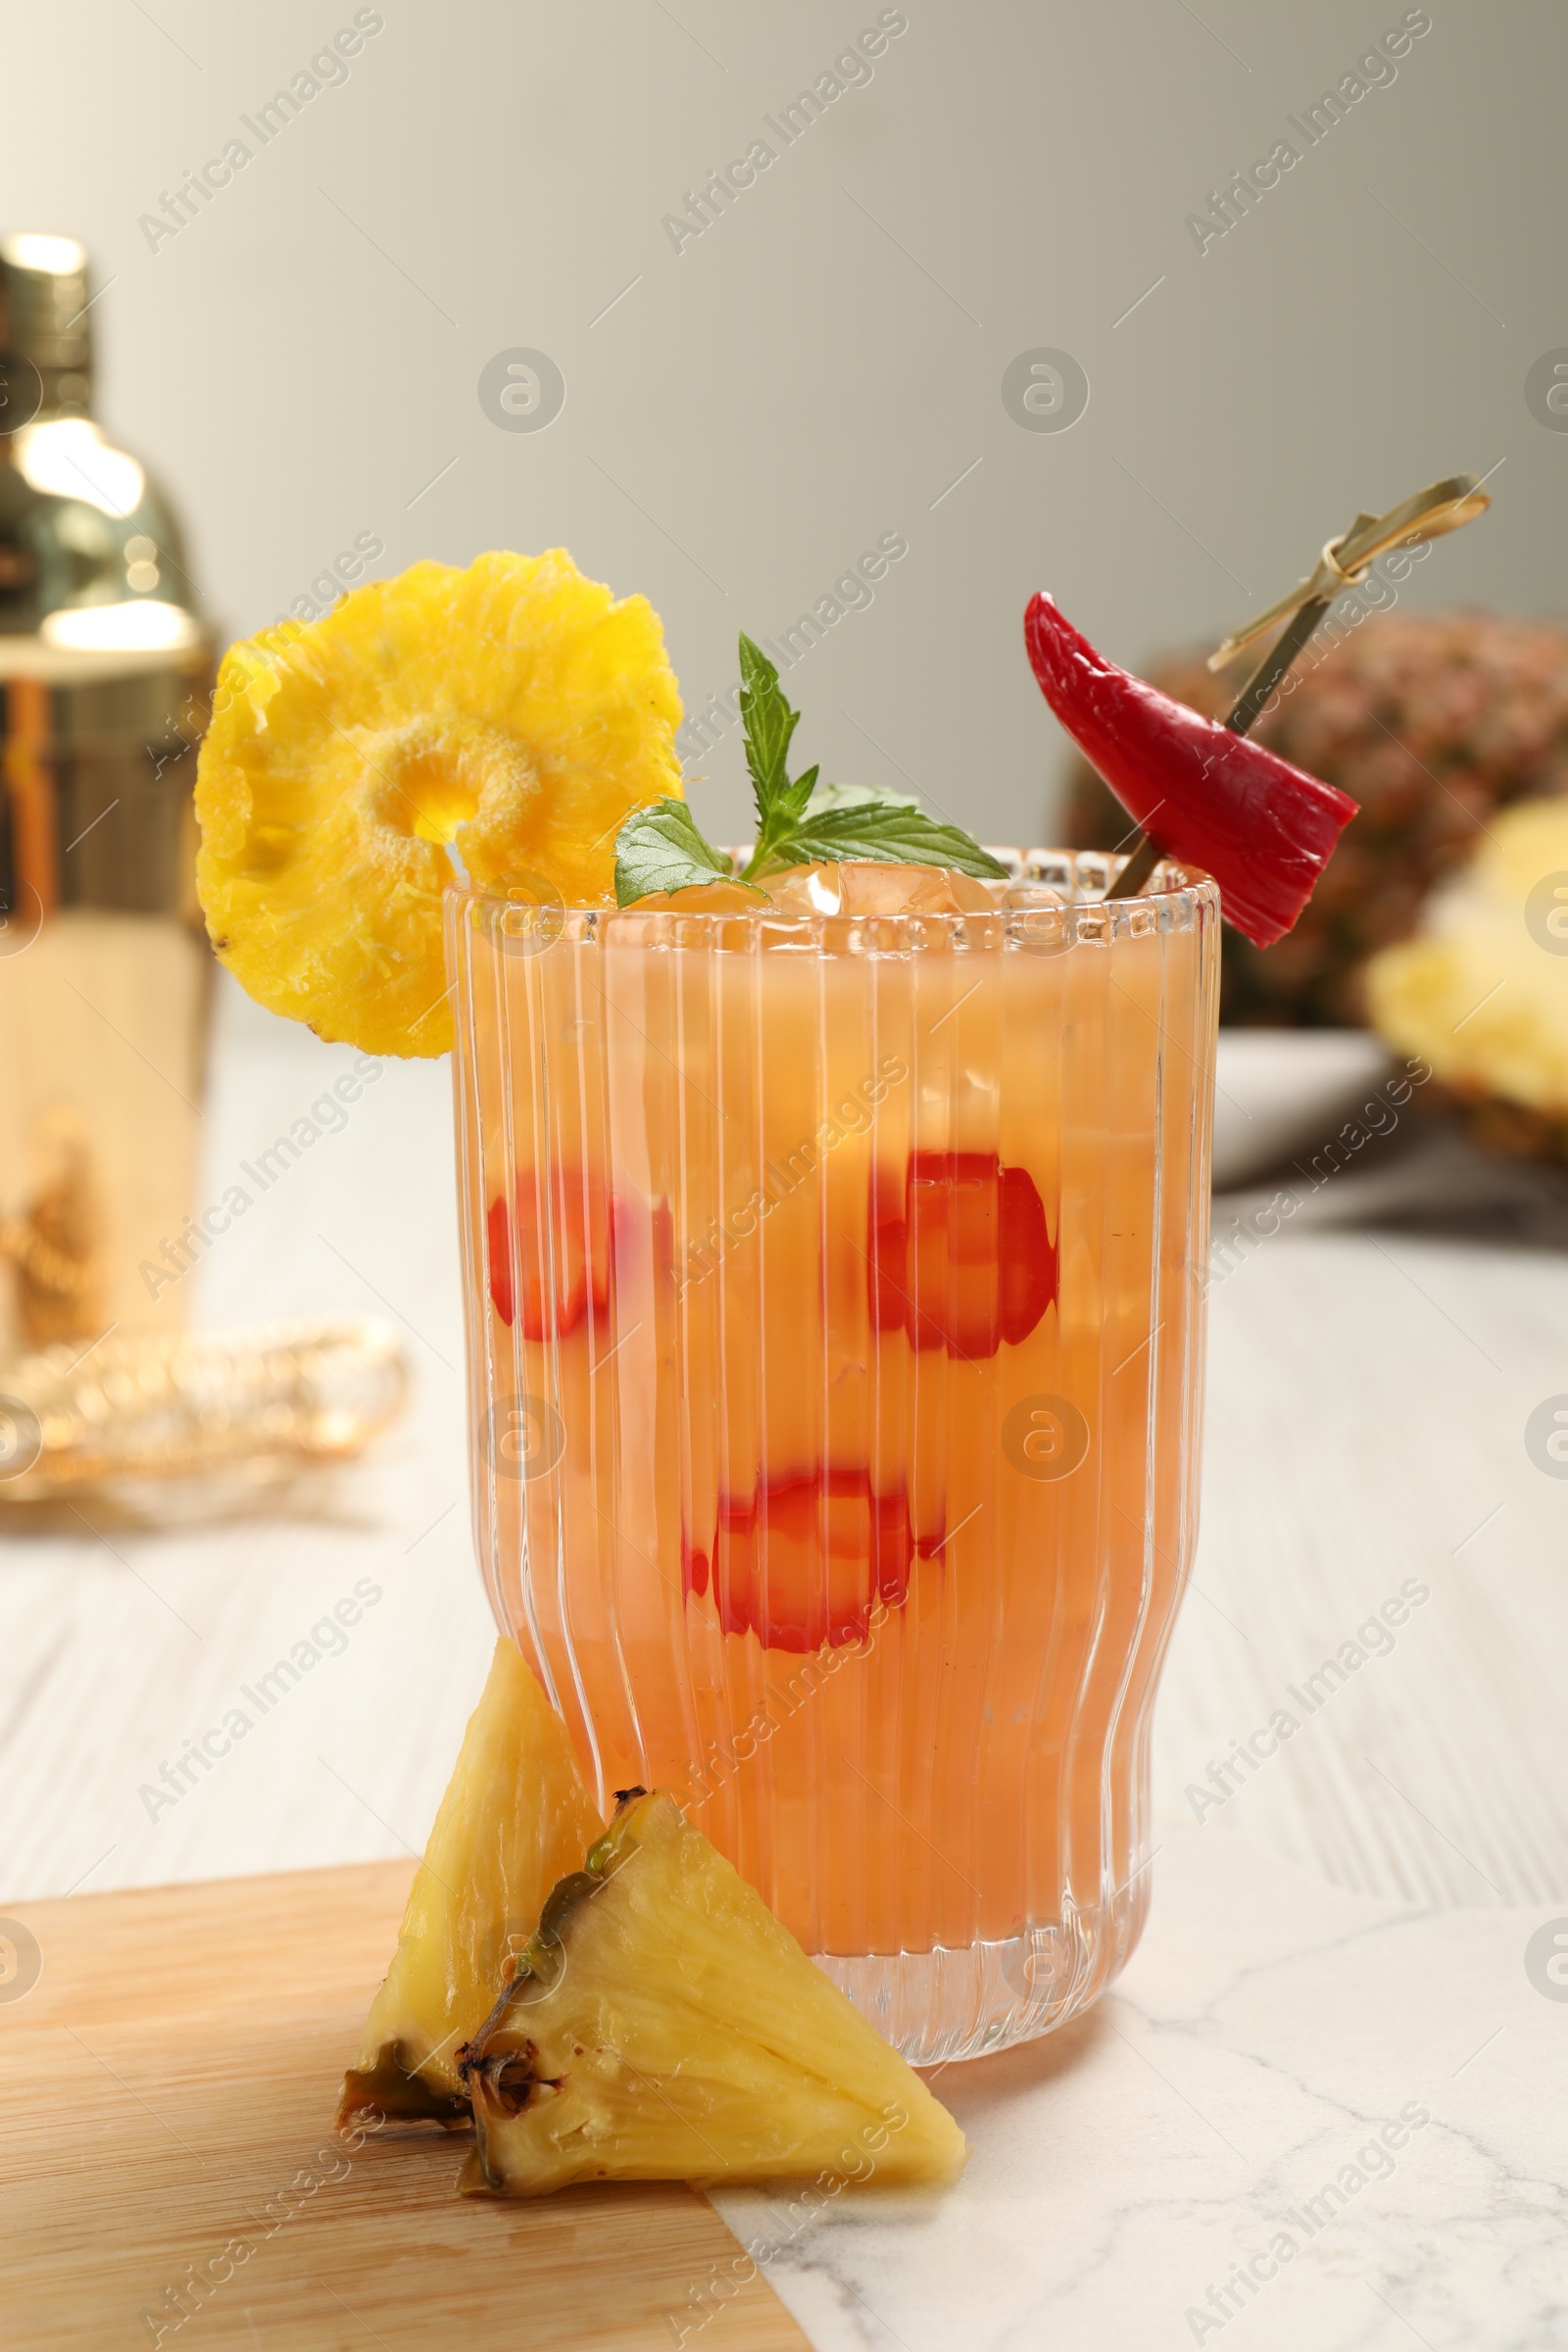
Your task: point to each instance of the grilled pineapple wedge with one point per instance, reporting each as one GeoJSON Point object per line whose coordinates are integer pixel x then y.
{"type": "Point", "coordinates": [515, 1816]}
{"type": "Point", "coordinates": [663, 2025]}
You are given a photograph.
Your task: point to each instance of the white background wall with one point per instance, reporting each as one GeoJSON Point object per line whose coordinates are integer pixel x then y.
{"type": "Point", "coordinates": [820, 367]}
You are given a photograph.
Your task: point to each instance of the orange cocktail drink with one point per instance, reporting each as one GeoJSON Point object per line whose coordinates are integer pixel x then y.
{"type": "Point", "coordinates": [835, 1314]}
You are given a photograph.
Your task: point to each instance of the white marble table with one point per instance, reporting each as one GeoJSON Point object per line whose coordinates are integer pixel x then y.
{"type": "Point", "coordinates": [1339, 1935]}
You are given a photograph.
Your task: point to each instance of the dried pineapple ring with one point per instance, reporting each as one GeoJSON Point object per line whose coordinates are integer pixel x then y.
{"type": "Point", "coordinates": [513, 710]}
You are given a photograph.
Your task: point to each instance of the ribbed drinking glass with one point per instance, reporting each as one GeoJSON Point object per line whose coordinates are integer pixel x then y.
{"type": "Point", "coordinates": [835, 1341]}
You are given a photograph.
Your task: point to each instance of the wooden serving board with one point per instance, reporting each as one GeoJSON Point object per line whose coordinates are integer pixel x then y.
{"type": "Point", "coordinates": [167, 2087]}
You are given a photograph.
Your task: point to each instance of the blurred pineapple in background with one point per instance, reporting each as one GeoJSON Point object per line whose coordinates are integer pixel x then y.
{"type": "Point", "coordinates": [1433, 721]}
{"type": "Point", "coordinates": [1482, 992]}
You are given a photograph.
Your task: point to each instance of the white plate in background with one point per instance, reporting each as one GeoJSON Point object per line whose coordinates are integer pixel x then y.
{"type": "Point", "coordinates": [1279, 1092]}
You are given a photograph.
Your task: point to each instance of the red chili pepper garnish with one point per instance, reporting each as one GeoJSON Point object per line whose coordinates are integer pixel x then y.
{"type": "Point", "coordinates": [1207, 797]}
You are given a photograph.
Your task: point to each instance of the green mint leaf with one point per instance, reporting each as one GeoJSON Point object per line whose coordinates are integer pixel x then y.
{"type": "Point", "coordinates": [893, 831]}
{"type": "Point", "coordinates": [793, 802]}
{"type": "Point", "coordinates": [864, 796]}
{"type": "Point", "coordinates": [659, 848]}
{"type": "Point", "coordinates": [768, 723]}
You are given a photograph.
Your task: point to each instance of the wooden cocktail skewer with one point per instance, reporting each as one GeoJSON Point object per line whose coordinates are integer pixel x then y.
{"type": "Point", "coordinates": [1343, 564]}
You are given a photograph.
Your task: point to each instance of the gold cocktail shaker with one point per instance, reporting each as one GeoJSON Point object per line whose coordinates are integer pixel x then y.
{"type": "Point", "coordinates": [105, 681]}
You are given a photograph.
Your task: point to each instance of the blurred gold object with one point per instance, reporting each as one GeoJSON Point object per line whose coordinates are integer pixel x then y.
{"type": "Point", "coordinates": [105, 676]}
{"type": "Point", "coordinates": [1441, 506]}
{"type": "Point", "coordinates": [57, 1244]}
{"type": "Point", "coordinates": [103, 1032]}
{"type": "Point", "coordinates": [105, 662]}
{"type": "Point", "coordinates": [247, 1402]}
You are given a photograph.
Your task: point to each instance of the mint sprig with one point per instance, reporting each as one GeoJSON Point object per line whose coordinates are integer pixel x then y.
{"type": "Point", "coordinates": [799, 820]}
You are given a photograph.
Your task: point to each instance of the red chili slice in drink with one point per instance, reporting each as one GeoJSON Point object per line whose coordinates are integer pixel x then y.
{"type": "Point", "coordinates": [548, 1252]}
{"type": "Point", "coordinates": [963, 1259]}
{"type": "Point", "coordinates": [573, 1246]}
{"type": "Point", "coordinates": [803, 1561]}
